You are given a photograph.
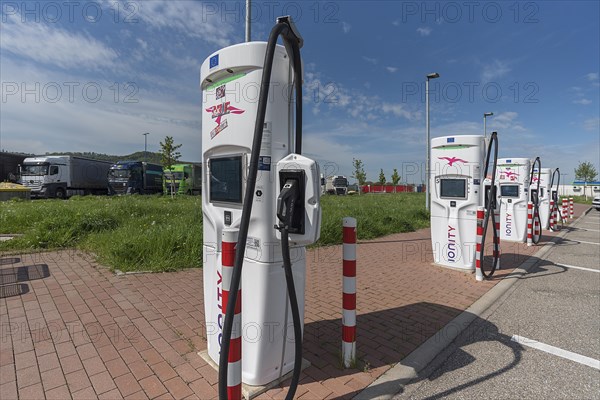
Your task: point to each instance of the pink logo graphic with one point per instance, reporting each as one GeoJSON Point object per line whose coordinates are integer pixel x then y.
{"type": "Point", "coordinates": [509, 175]}
{"type": "Point", "coordinates": [218, 111]}
{"type": "Point", "coordinates": [452, 160]}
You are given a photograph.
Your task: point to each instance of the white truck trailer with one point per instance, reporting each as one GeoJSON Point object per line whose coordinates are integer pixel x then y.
{"type": "Point", "coordinates": [64, 176]}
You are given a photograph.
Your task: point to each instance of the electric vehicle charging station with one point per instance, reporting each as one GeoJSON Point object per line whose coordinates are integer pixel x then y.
{"type": "Point", "coordinates": [554, 198]}
{"type": "Point", "coordinates": [544, 196]}
{"type": "Point", "coordinates": [263, 186]}
{"type": "Point", "coordinates": [513, 180]}
{"type": "Point", "coordinates": [455, 195]}
{"type": "Point", "coordinates": [535, 179]}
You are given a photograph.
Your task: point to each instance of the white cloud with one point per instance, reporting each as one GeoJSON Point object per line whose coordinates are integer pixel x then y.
{"type": "Point", "coordinates": [391, 69]}
{"type": "Point", "coordinates": [51, 45]}
{"type": "Point", "coordinates": [346, 27]}
{"type": "Point", "coordinates": [190, 18]}
{"type": "Point", "coordinates": [592, 76]}
{"type": "Point", "coordinates": [424, 31]}
{"type": "Point", "coordinates": [324, 95]}
{"type": "Point", "coordinates": [497, 69]}
{"type": "Point", "coordinates": [584, 102]}
{"type": "Point", "coordinates": [397, 110]}
{"type": "Point", "coordinates": [370, 60]}
{"type": "Point", "coordinates": [592, 124]}
{"type": "Point", "coordinates": [142, 43]}
{"type": "Point", "coordinates": [506, 122]}
{"type": "Point", "coordinates": [106, 126]}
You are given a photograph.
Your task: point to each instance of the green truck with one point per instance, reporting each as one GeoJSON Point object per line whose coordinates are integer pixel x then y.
{"type": "Point", "coordinates": [183, 179]}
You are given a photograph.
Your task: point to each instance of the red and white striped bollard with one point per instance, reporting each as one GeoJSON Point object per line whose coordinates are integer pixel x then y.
{"type": "Point", "coordinates": [478, 240]}
{"type": "Point", "coordinates": [349, 292]}
{"type": "Point", "coordinates": [497, 240]}
{"type": "Point", "coordinates": [537, 228]}
{"type": "Point", "coordinates": [529, 223]}
{"type": "Point", "coordinates": [571, 208]}
{"type": "Point", "coordinates": [234, 359]}
{"type": "Point", "coordinates": [565, 209]}
{"type": "Point", "coordinates": [552, 215]}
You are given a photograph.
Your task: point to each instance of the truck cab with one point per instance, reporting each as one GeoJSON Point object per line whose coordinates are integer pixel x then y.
{"type": "Point", "coordinates": [183, 179]}
{"type": "Point", "coordinates": [337, 184]}
{"type": "Point", "coordinates": [45, 176]}
{"type": "Point", "coordinates": [135, 177]}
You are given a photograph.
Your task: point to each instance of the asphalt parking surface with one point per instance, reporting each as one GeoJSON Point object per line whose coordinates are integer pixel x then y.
{"type": "Point", "coordinates": [554, 304]}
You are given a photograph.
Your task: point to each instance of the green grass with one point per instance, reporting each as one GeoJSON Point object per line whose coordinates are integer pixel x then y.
{"type": "Point", "coordinates": [581, 199]}
{"type": "Point", "coordinates": [157, 233]}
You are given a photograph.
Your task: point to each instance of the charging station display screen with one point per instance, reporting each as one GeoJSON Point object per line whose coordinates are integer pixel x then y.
{"type": "Point", "coordinates": [509, 190]}
{"type": "Point", "coordinates": [226, 179]}
{"type": "Point", "coordinates": [453, 188]}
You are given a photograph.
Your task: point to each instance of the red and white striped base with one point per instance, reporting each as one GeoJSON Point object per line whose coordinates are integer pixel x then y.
{"type": "Point", "coordinates": [497, 240]}
{"type": "Point", "coordinates": [234, 368]}
{"type": "Point", "coordinates": [552, 215]}
{"type": "Point", "coordinates": [349, 292]}
{"type": "Point", "coordinates": [529, 223]}
{"type": "Point", "coordinates": [478, 240]}
{"type": "Point", "coordinates": [565, 210]}
{"type": "Point", "coordinates": [571, 208]}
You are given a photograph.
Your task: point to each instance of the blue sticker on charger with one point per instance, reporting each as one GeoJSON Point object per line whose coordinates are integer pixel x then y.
{"type": "Point", "coordinates": [214, 61]}
{"type": "Point", "coordinates": [264, 163]}
{"type": "Point", "coordinates": [450, 140]}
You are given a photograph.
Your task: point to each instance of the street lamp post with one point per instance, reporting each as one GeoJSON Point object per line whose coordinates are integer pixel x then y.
{"type": "Point", "coordinates": [146, 146]}
{"type": "Point", "coordinates": [427, 161]}
{"type": "Point", "coordinates": [248, 19]}
{"type": "Point", "coordinates": [485, 115]}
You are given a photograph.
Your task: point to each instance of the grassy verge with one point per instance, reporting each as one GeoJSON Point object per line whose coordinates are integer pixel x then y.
{"type": "Point", "coordinates": [156, 233]}
{"type": "Point", "coordinates": [581, 199]}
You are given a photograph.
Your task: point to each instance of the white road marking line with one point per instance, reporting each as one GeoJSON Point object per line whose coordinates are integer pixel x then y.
{"type": "Point", "coordinates": [582, 241]}
{"type": "Point", "coordinates": [578, 358]}
{"type": "Point", "coordinates": [575, 267]}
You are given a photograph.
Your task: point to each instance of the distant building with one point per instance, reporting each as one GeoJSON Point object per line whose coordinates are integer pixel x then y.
{"type": "Point", "coordinates": [576, 189]}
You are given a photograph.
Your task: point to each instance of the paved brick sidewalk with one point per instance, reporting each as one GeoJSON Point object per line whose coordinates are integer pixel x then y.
{"type": "Point", "coordinates": [78, 331]}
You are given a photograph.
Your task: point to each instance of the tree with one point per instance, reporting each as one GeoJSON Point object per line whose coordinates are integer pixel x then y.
{"type": "Point", "coordinates": [381, 177]}
{"type": "Point", "coordinates": [169, 156]}
{"type": "Point", "coordinates": [585, 172]}
{"type": "Point", "coordinates": [359, 173]}
{"type": "Point", "coordinates": [395, 179]}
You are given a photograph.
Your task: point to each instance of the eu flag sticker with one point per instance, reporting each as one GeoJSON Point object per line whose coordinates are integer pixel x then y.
{"type": "Point", "coordinates": [214, 61]}
{"type": "Point", "coordinates": [450, 140]}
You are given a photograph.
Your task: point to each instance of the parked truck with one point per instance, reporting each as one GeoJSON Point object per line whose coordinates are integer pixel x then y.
{"type": "Point", "coordinates": [183, 179]}
{"type": "Point", "coordinates": [9, 166]}
{"type": "Point", "coordinates": [135, 177]}
{"type": "Point", "coordinates": [63, 176]}
{"type": "Point", "coordinates": [337, 184]}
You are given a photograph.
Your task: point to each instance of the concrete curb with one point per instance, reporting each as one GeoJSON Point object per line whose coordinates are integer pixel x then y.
{"type": "Point", "coordinates": [393, 380]}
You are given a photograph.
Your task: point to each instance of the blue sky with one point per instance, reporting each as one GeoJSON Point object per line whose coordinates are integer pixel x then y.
{"type": "Point", "coordinates": [94, 76]}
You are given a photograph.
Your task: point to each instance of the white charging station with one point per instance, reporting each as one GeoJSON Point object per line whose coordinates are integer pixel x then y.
{"type": "Point", "coordinates": [455, 184]}
{"type": "Point", "coordinates": [544, 195]}
{"type": "Point", "coordinates": [513, 180]}
{"type": "Point", "coordinates": [230, 83]}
